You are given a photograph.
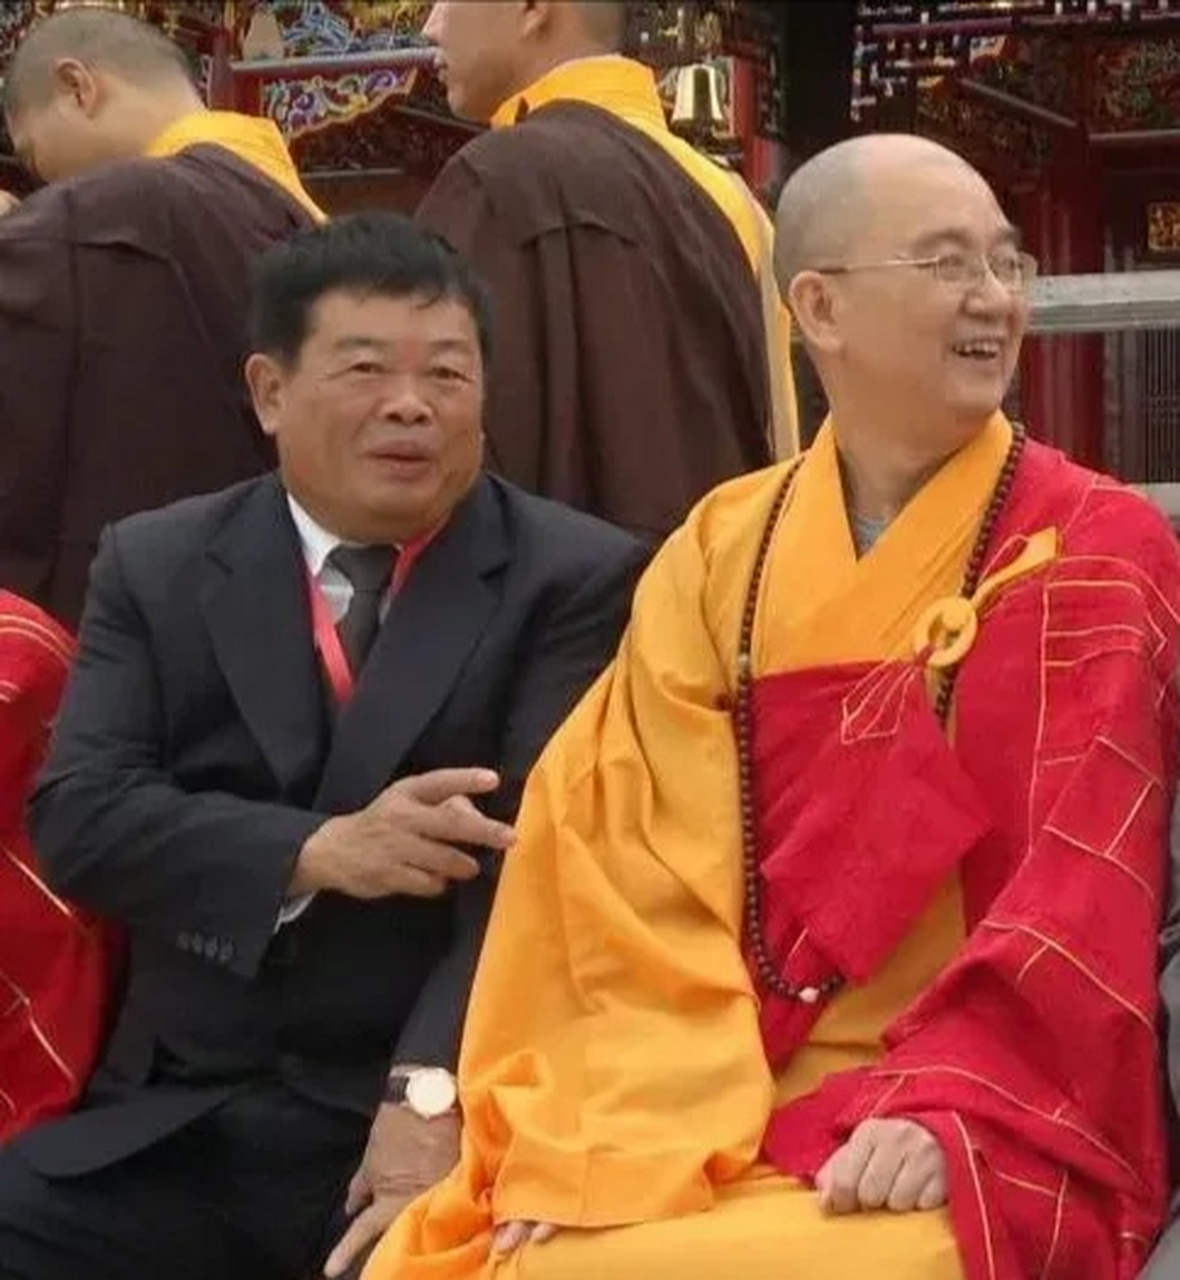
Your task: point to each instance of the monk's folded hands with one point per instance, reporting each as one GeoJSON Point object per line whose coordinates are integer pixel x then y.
{"type": "Point", "coordinates": [511, 1235]}
{"type": "Point", "coordinates": [885, 1164]}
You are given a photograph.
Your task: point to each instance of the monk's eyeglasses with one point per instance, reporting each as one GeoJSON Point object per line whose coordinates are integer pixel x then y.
{"type": "Point", "coordinates": [1013, 269]}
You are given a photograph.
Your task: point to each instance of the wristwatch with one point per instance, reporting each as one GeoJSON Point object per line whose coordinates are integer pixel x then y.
{"type": "Point", "coordinates": [429, 1092]}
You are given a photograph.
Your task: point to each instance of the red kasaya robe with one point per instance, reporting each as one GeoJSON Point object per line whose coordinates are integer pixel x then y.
{"type": "Point", "coordinates": [1033, 1057]}
{"type": "Point", "coordinates": [56, 961]}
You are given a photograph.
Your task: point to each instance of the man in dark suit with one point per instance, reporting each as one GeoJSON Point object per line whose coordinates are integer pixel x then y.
{"type": "Point", "coordinates": [288, 696]}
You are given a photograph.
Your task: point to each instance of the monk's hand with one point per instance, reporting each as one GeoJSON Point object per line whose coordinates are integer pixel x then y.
{"type": "Point", "coordinates": [511, 1235]}
{"type": "Point", "coordinates": [8, 202]}
{"type": "Point", "coordinates": [406, 1155]}
{"type": "Point", "coordinates": [409, 840]}
{"type": "Point", "coordinates": [885, 1164]}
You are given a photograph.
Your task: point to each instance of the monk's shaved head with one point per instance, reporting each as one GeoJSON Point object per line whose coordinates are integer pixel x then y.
{"type": "Point", "coordinates": [829, 198]}
{"type": "Point", "coordinates": [906, 283]}
{"type": "Point", "coordinates": [102, 39]}
{"type": "Point", "coordinates": [605, 21]}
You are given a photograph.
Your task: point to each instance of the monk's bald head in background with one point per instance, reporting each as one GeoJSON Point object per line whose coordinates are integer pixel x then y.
{"type": "Point", "coordinates": [88, 86]}
{"type": "Point", "coordinates": [908, 286]}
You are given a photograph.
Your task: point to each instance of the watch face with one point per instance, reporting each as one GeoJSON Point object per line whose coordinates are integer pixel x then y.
{"type": "Point", "coordinates": [431, 1093]}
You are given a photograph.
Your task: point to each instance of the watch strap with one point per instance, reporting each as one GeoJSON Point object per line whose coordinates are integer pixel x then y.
{"type": "Point", "coordinates": [395, 1088]}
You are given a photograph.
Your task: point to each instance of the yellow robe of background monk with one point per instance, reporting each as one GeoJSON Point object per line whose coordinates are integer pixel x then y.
{"type": "Point", "coordinates": [614, 1076]}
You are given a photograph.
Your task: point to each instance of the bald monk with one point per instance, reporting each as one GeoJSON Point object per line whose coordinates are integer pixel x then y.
{"type": "Point", "coordinates": [827, 946]}
{"type": "Point", "coordinates": [123, 292]}
{"type": "Point", "coordinates": [631, 371]}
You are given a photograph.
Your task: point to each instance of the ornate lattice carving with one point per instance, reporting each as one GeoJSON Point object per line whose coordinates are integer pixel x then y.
{"type": "Point", "coordinates": [1039, 70]}
{"type": "Point", "coordinates": [14, 20]}
{"type": "Point", "coordinates": [303, 105]}
{"type": "Point", "coordinates": [903, 47]}
{"type": "Point", "coordinates": [1136, 85]}
{"type": "Point", "coordinates": [1163, 228]}
{"type": "Point", "coordinates": [386, 138]}
{"type": "Point", "coordinates": [674, 34]}
{"type": "Point", "coordinates": [987, 136]}
{"type": "Point", "coordinates": [329, 27]}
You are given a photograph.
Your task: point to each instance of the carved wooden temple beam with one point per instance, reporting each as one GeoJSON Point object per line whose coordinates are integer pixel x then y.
{"type": "Point", "coordinates": [316, 63]}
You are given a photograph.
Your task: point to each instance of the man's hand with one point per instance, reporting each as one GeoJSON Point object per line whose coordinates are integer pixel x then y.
{"type": "Point", "coordinates": [8, 202]}
{"type": "Point", "coordinates": [892, 1164]}
{"type": "Point", "coordinates": [511, 1235]}
{"type": "Point", "coordinates": [405, 840]}
{"type": "Point", "coordinates": [406, 1156]}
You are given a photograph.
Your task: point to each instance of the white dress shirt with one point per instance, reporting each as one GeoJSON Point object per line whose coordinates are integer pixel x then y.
{"type": "Point", "coordinates": [317, 545]}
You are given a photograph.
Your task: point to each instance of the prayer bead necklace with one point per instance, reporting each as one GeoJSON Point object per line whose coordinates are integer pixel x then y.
{"type": "Point", "coordinates": [767, 972]}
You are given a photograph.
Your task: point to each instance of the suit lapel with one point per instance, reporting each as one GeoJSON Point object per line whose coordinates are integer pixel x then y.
{"type": "Point", "coordinates": [254, 602]}
{"type": "Point", "coordinates": [431, 628]}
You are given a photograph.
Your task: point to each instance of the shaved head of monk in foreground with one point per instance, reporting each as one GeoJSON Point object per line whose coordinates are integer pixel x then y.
{"type": "Point", "coordinates": [822, 895]}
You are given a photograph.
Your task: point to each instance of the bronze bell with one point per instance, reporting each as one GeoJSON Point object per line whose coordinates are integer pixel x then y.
{"type": "Point", "coordinates": [697, 105]}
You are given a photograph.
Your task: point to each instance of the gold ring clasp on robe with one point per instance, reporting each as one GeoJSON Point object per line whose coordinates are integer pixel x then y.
{"type": "Point", "coordinates": [946, 632]}
{"type": "Point", "coordinates": [947, 629]}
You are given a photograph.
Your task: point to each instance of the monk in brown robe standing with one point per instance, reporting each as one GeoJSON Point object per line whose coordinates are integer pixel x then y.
{"type": "Point", "coordinates": [123, 292]}
{"type": "Point", "coordinates": [631, 373]}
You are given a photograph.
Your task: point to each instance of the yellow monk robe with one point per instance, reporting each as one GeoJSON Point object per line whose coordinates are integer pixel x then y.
{"type": "Point", "coordinates": [256, 141]}
{"type": "Point", "coordinates": [613, 1070]}
{"type": "Point", "coordinates": [627, 90]}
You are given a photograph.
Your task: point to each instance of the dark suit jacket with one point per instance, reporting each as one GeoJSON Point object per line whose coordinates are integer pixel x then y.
{"type": "Point", "coordinates": [123, 297]}
{"type": "Point", "coordinates": [193, 757]}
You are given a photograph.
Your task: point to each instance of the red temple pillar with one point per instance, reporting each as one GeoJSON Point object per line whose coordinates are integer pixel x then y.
{"type": "Point", "coordinates": [1063, 377]}
{"type": "Point", "coordinates": [221, 77]}
{"type": "Point", "coordinates": [760, 155]}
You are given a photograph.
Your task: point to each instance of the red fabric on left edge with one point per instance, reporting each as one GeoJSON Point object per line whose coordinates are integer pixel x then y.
{"type": "Point", "coordinates": [57, 962]}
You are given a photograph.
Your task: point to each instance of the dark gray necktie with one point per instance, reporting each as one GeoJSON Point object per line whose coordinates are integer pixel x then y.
{"type": "Point", "coordinates": [369, 570]}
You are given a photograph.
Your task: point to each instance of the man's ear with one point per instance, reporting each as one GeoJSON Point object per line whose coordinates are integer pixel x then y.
{"type": "Point", "coordinates": [267, 380]}
{"type": "Point", "coordinates": [814, 308]}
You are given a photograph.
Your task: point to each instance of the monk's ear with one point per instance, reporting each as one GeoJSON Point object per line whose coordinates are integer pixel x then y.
{"type": "Point", "coordinates": [267, 380]}
{"type": "Point", "coordinates": [536, 16]}
{"type": "Point", "coordinates": [813, 306]}
{"type": "Point", "coordinates": [76, 81]}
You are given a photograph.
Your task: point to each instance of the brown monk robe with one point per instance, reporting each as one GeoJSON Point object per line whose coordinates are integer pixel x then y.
{"type": "Point", "coordinates": [123, 288]}
{"type": "Point", "coordinates": [631, 372]}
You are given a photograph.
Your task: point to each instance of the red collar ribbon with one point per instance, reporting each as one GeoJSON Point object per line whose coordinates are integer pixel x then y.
{"type": "Point", "coordinates": [327, 642]}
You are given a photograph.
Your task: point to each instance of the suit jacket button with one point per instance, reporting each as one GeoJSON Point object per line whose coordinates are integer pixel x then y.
{"type": "Point", "coordinates": [226, 954]}
{"type": "Point", "coordinates": [211, 948]}
{"type": "Point", "coordinates": [184, 941]}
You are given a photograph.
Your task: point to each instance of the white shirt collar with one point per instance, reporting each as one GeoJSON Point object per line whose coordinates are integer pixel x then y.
{"type": "Point", "coordinates": [318, 544]}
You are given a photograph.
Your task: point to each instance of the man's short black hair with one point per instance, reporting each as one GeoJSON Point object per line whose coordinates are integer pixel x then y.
{"type": "Point", "coordinates": [362, 254]}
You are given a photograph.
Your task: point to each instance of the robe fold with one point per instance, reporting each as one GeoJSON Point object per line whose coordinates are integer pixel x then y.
{"type": "Point", "coordinates": [989, 894]}
{"type": "Point", "coordinates": [56, 961]}
{"type": "Point", "coordinates": [630, 370]}
{"type": "Point", "coordinates": [123, 305]}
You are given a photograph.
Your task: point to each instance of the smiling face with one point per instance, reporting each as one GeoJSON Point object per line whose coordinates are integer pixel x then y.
{"type": "Point", "coordinates": [900, 342]}
{"type": "Point", "coordinates": [378, 421]}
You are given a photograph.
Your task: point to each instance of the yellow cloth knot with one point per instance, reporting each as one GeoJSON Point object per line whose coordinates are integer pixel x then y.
{"type": "Point", "coordinates": [947, 630]}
